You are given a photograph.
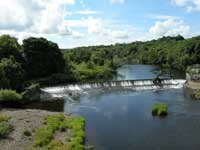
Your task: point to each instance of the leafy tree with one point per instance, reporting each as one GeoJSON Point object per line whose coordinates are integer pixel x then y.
{"type": "Point", "coordinates": [4, 82]}
{"type": "Point", "coordinates": [43, 57]}
{"type": "Point", "coordinates": [12, 74]}
{"type": "Point", "coordinates": [10, 47]}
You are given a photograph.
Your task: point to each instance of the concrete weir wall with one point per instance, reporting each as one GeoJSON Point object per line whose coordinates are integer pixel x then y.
{"type": "Point", "coordinates": [65, 90]}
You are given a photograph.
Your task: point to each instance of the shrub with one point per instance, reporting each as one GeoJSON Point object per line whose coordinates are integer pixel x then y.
{"type": "Point", "coordinates": [43, 137]}
{"type": "Point", "coordinates": [9, 95]}
{"type": "Point", "coordinates": [4, 118]}
{"type": "Point", "coordinates": [27, 133]}
{"type": "Point", "coordinates": [159, 110]}
{"type": "Point", "coordinates": [5, 129]}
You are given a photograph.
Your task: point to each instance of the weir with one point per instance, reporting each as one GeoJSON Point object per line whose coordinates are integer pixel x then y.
{"type": "Point", "coordinates": [147, 84]}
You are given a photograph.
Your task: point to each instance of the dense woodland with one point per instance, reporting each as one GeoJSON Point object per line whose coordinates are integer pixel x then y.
{"type": "Point", "coordinates": [38, 60]}
{"type": "Point", "coordinates": [173, 52]}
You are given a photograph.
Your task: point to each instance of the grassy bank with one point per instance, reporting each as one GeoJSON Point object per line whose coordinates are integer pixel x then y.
{"type": "Point", "coordinates": [41, 130]}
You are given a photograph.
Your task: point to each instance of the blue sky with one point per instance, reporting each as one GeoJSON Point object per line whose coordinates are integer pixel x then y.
{"type": "Point", "coordinates": [73, 23]}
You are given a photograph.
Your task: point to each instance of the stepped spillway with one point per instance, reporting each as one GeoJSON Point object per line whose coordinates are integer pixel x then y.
{"type": "Point", "coordinates": [59, 91]}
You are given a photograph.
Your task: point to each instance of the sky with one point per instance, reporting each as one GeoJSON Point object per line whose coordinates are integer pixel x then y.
{"type": "Point", "coordinates": [74, 23]}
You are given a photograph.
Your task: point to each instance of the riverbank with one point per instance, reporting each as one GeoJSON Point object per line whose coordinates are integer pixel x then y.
{"type": "Point", "coordinates": [193, 85]}
{"type": "Point", "coordinates": [25, 125]}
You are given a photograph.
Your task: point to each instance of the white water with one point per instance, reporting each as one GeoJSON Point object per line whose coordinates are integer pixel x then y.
{"type": "Point", "coordinates": [61, 91]}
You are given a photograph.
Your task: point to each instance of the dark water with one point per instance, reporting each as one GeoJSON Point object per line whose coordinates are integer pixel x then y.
{"type": "Point", "coordinates": [122, 120]}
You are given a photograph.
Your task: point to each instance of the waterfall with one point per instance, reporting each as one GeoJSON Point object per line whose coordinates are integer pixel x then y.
{"type": "Point", "coordinates": [61, 91]}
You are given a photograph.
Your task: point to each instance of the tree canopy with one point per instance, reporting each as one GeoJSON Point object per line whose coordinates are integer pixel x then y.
{"type": "Point", "coordinates": [41, 60]}
{"type": "Point", "coordinates": [43, 57]}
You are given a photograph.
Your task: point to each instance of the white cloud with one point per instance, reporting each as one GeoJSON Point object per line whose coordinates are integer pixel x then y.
{"type": "Point", "coordinates": [189, 5]}
{"type": "Point", "coordinates": [93, 25]}
{"type": "Point", "coordinates": [100, 27]}
{"type": "Point", "coordinates": [169, 27]}
{"type": "Point", "coordinates": [117, 1]}
{"type": "Point", "coordinates": [120, 34]}
{"type": "Point", "coordinates": [86, 12]}
{"type": "Point", "coordinates": [77, 35]}
{"type": "Point", "coordinates": [34, 16]}
{"type": "Point", "coordinates": [162, 17]}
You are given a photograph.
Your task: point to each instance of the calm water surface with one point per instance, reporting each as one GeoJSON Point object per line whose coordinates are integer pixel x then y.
{"type": "Point", "coordinates": [122, 120]}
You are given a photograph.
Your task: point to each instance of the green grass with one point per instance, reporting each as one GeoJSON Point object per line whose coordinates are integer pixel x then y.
{"type": "Point", "coordinates": [5, 126]}
{"type": "Point", "coordinates": [9, 95]}
{"type": "Point", "coordinates": [43, 137]}
{"type": "Point", "coordinates": [160, 110]}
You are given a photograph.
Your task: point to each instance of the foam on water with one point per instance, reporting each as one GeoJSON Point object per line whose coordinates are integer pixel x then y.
{"type": "Point", "coordinates": [61, 91]}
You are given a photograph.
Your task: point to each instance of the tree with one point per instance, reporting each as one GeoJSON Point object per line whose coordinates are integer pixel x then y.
{"type": "Point", "coordinates": [43, 57]}
{"type": "Point", "coordinates": [10, 47]}
{"type": "Point", "coordinates": [4, 82]}
{"type": "Point", "coordinates": [12, 74]}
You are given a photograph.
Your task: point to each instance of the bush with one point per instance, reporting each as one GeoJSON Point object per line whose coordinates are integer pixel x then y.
{"type": "Point", "coordinates": [43, 136]}
{"type": "Point", "coordinates": [9, 95]}
{"type": "Point", "coordinates": [27, 133]}
{"type": "Point", "coordinates": [159, 110]}
{"type": "Point", "coordinates": [5, 129]}
{"type": "Point", "coordinates": [4, 118]}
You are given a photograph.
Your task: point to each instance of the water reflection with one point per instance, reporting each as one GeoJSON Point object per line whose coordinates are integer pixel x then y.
{"type": "Point", "coordinates": [128, 72]}
{"type": "Point", "coordinates": [122, 120]}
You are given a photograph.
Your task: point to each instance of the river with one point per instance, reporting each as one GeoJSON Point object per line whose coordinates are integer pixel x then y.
{"type": "Point", "coordinates": [122, 119]}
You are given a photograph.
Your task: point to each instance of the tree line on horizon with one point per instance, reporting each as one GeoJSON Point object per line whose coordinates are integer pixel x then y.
{"type": "Point", "coordinates": [40, 60]}
{"type": "Point", "coordinates": [172, 52]}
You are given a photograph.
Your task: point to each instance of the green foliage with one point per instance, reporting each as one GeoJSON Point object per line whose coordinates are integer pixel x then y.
{"type": "Point", "coordinates": [197, 95]}
{"type": "Point", "coordinates": [36, 58]}
{"type": "Point", "coordinates": [12, 73]}
{"type": "Point", "coordinates": [44, 136]}
{"type": "Point", "coordinates": [27, 133]}
{"type": "Point", "coordinates": [43, 57]}
{"type": "Point", "coordinates": [174, 52]}
{"type": "Point", "coordinates": [4, 81]}
{"type": "Point", "coordinates": [90, 72]}
{"type": "Point", "coordinates": [10, 47]}
{"type": "Point", "coordinates": [159, 110]}
{"type": "Point", "coordinates": [10, 96]}
{"type": "Point", "coordinates": [57, 145]}
{"type": "Point", "coordinates": [42, 61]}
{"type": "Point", "coordinates": [5, 127]}
{"type": "Point", "coordinates": [4, 118]}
